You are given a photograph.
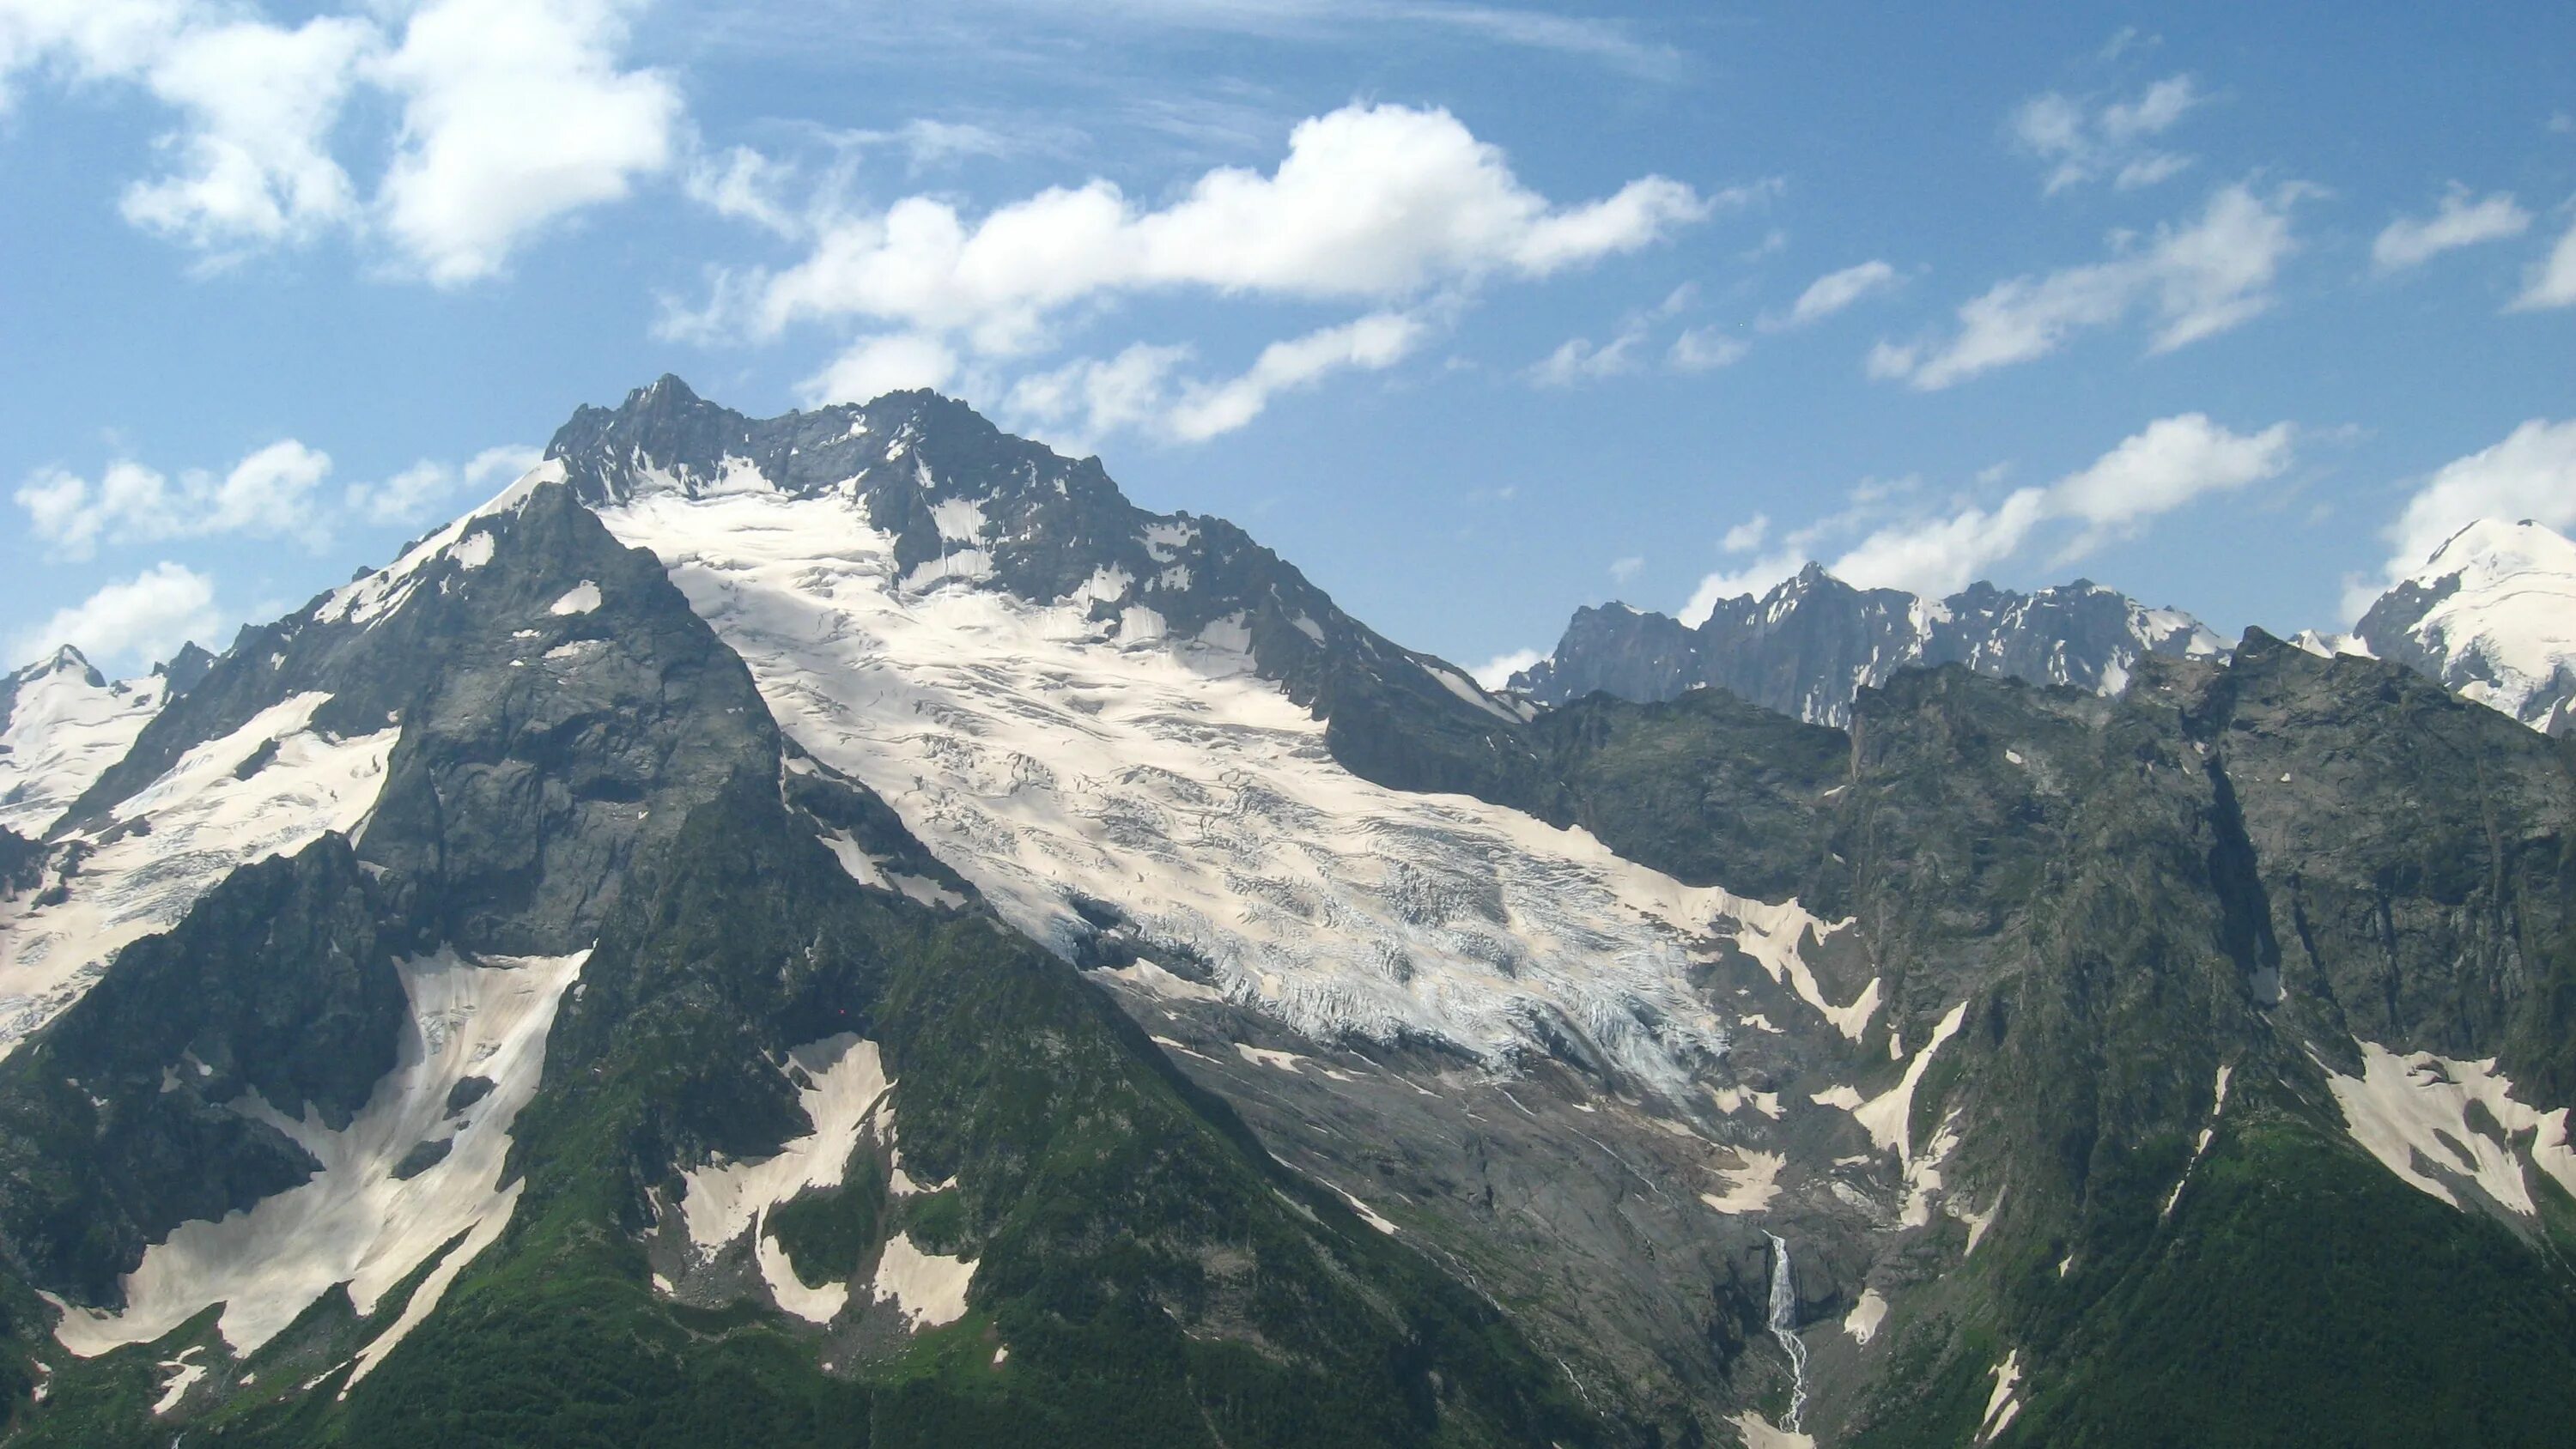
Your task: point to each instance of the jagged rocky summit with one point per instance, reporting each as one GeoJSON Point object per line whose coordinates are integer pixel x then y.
{"type": "Point", "coordinates": [841, 929]}
{"type": "Point", "coordinates": [1808, 647]}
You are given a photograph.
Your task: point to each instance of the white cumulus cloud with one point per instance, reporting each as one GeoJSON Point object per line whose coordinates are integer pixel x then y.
{"type": "Point", "coordinates": [1497, 672]}
{"type": "Point", "coordinates": [2530, 474]}
{"type": "Point", "coordinates": [2162, 468]}
{"type": "Point", "coordinates": [2553, 281]}
{"type": "Point", "coordinates": [1140, 389]}
{"type": "Point", "coordinates": [131, 622]}
{"type": "Point", "coordinates": [514, 113]}
{"type": "Point", "coordinates": [1835, 291]}
{"type": "Point", "coordinates": [416, 494]}
{"type": "Point", "coordinates": [269, 494]}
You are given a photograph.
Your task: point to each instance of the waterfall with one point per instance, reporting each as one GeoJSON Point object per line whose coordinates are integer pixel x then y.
{"type": "Point", "coordinates": [1784, 1327]}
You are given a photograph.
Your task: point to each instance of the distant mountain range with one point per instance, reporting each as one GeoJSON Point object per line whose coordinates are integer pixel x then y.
{"type": "Point", "coordinates": [842, 929]}
{"type": "Point", "coordinates": [2492, 615]}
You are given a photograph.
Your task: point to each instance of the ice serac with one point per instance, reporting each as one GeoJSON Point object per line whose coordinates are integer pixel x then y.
{"type": "Point", "coordinates": [2492, 615]}
{"type": "Point", "coordinates": [1810, 644]}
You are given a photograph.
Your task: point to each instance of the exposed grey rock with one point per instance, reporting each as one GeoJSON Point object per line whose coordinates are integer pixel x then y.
{"type": "Point", "coordinates": [1806, 647]}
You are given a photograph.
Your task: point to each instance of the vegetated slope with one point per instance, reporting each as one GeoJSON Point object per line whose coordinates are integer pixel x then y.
{"type": "Point", "coordinates": [1812, 642]}
{"type": "Point", "coordinates": [2249, 995]}
{"type": "Point", "coordinates": [2055, 939]}
{"type": "Point", "coordinates": [605, 1087]}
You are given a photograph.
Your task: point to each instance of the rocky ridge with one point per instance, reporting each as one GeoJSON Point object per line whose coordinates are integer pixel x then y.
{"type": "Point", "coordinates": [1808, 646]}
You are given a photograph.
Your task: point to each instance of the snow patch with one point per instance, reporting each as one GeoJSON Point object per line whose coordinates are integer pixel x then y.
{"type": "Point", "coordinates": [354, 1222]}
{"type": "Point", "coordinates": [2414, 1109]}
{"type": "Point", "coordinates": [1750, 1187]}
{"type": "Point", "coordinates": [929, 1290]}
{"type": "Point", "coordinates": [582, 598]}
{"type": "Point", "coordinates": [1761, 1433]}
{"type": "Point", "coordinates": [2001, 1405]}
{"type": "Point", "coordinates": [959, 520]}
{"type": "Point", "coordinates": [1866, 1315]}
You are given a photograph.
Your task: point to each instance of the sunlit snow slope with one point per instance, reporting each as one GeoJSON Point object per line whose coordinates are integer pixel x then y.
{"type": "Point", "coordinates": [270, 787]}
{"type": "Point", "coordinates": [61, 723]}
{"type": "Point", "coordinates": [2492, 614]}
{"type": "Point", "coordinates": [1065, 764]}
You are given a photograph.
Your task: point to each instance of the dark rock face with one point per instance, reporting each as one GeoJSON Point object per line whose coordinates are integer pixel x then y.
{"type": "Point", "coordinates": [964, 500]}
{"type": "Point", "coordinates": [185, 668]}
{"type": "Point", "coordinates": [1807, 646]}
{"type": "Point", "coordinates": [117, 1123]}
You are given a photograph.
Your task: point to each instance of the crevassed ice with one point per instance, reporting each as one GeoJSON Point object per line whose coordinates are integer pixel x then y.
{"type": "Point", "coordinates": [354, 1222]}
{"type": "Point", "coordinates": [1044, 755]}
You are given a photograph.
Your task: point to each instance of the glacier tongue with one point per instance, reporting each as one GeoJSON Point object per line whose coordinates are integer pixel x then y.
{"type": "Point", "coordinates": [1062, 762]}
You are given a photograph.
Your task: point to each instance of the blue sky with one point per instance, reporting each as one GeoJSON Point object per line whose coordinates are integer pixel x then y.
{"type": "Point", "coordinates": [1478, 312]}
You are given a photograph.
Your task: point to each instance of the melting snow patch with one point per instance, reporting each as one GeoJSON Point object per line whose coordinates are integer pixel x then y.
{"type": "Point", "coordinates": [959, 520]}
{"type": "Point", "coordinates": [1761, 1433]}
{"type": "Point", "coordinates": [2001, 1406]}
{"type": "Point", "coordinates": [2199, 1149]}
{"type": "Point", "coordinates": [862, 867]}
{"type": "Point", "coordinates": [1368, 1215]}
{"type": "Point", "coordinates": [354, 1222]}
{"type": "Point", "coordinates": [1265, 1057]}
{"type": "Point", "coordinates": [184, 1374]}
{"type": "Point", "coordinates": [2407, 1109]}
{"type": "Point", "coordinates": [846, 1081]}
{"type": "Point", "coordinates": [1147, 977]}
{"type": "Point", "coordinates": [580, 599]}
{"type": "Point", "coordinates": [1866, 1315]}
{"type": "Point", "coordinates": [1888, 1117]}
{"type": "Point", "coordinates": [1751, 1187]}
{"type": "Point", "coordinates": [929, 1290]}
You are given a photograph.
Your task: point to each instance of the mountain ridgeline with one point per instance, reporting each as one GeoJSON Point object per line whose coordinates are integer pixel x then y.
{"type": "Point", "coordinates": [842, 930]}
{"type": "Point", "coordinates": [1808, 646]}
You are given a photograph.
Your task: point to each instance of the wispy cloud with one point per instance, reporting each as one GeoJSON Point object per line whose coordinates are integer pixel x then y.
{"type": "Point", "coordinates": [2081, 140]}
{"type": "Point", "coordinates": [2458, 221]}
{"type": "Point", "coordinates": [2194, 281]}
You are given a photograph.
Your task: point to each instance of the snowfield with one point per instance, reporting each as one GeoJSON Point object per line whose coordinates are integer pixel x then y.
{"type": "Point", "coordinates": [173, 840]}
{"type": "Point", "coordinates": [1049, 757]}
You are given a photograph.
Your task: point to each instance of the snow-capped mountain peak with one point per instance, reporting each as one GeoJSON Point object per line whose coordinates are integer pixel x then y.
{"type": "Point", "coordinates": [62, 722]}
{"type": "Point", "coordinates": [2492, 615]}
